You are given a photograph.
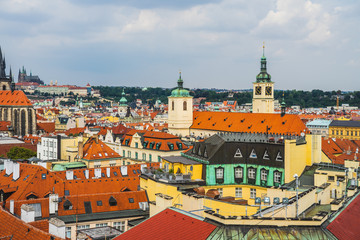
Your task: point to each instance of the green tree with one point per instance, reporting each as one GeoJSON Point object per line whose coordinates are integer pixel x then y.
{"type": "Point", "coordinates": [20, 153]}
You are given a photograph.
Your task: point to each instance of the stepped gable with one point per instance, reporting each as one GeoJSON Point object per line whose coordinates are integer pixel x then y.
{"type": "Point", "coordinates": [14, 98]}
{"type": "Point", "coordinates": [249, 122]}
{"type": "Point", "coordinates": [16, 229]}
{"type": "Point", "coordinates": [97, 149]}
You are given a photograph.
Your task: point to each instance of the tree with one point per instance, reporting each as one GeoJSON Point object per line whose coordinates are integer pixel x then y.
{"type": "Point", "coordinates": [20, 153]}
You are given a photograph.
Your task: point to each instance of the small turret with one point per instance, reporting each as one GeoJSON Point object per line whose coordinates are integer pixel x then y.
{"type": "Point", "coordinates": [283, 106]}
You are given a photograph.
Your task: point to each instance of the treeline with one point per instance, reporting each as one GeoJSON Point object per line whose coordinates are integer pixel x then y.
{"type": "Point", "coordinates": [314, 98]}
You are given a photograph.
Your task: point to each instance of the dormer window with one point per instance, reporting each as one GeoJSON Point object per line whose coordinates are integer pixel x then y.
{"type": "Point", "coordinates": [279, 157]}
{"type": "Point", "coordinates": [253, 154]}
{"type": "Point", "coordinates": [68, 205]}
{"type": "Point", "coordinates": [205, 153]}
{"type": "Point", "coordinates": [179, 144]}
{"type": "Point", "coordinates": [112, 201]}
{"type": "Point", "coordinates": [199, 151]}
{"type": "Point", "coordinates": [171, 146]}
{"type": "Point", "coordinates": [238, 153]}
{"type": "Point", "coordinates": [266, 155]}
{"type": "Point", "coordinates": [158, 145]}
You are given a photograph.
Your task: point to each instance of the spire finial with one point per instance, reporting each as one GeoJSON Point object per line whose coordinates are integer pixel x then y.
{"type": "Point", "coordinates": [264, 49]}
{"type": "Point", "coordinates": [179, 73]}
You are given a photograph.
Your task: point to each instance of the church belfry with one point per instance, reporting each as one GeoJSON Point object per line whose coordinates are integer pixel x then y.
{"type": "Point", "coordinates": [180, 110]}
{"type": "Point", "coordinates": [263, 90]}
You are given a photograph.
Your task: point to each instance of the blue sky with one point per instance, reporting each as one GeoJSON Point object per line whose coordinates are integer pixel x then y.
{"type": "Point", "coordinates": [216, 43]}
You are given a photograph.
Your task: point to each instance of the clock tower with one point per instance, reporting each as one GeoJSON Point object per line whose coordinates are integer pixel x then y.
{"type": "Point", "coordinates": [263, 90]}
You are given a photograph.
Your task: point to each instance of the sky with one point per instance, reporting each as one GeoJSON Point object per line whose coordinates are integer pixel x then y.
{"type": "Point", "coordinates": [309, 44]}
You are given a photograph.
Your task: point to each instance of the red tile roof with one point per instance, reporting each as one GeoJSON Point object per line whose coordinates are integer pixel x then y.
{"type": "Point", "coordinates": [169, 224]}
{"type": "Point", "coordinates": [48, 127]}
{"type": "Point", "coordinates": [75, 131]}
{"type": "Point", "coordinates": [346, 225]}
{"type": "Point", "coordinates": [249, 122]}
{"type": "Point", "coordinates": [94, 148]}
{"type": "Point", "coordinates": [16, 229]}
{"type": "Point", "coordinates": [14, 98]}
{"type": "Point", "coordinates": [4, 125]}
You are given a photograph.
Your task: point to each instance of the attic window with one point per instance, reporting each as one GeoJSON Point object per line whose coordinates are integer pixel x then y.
{"type": "Point", "coordinates": [266, 155]}
{"type": "Point", "coordinates": [199, 152]}
{"type": "Point", "coordinates": [238, 153]}
{"type": "Point", "coordinates": [26, 177]}
{"type": "Point", "coordinates": [115, 174]}
{"type": "Point", "coordinates": [131, 200]}
{"type": "Point", "coordinates": [100, 154]}
{"type": "Point", "coordinates": [152, 145]}
{"type": "Point", "coordinates": [67, 192]}
{"type": "Point", "coordinates": [179, 145]}
{"type": "Point", "coordinates": [68, 205]}
{"type": "Point", "coordinates": [102, 174]}
{"type": "Point", "coordinates": [171, 146]}
{"type": "Point", "coordinates": [205, 153]}
{"type": "Point", "coordinates": [253, 154]}
{"type": "Point", "coordinates": [279, 157]}
{"type": "Point", "coordinates": [99, 203]}
{"type": "Point", "coordinates": [138, 171]}
{"type": "Point", "coordinates": [127, 142]}
{"type": "Point", "coordinates": [193, 150]}
{"type": "Point", "coordinates": [145, 144]}
{"type": "Point", "coordinates": [134, 171]}
{"type": "Point", "coordinates": [43, 176]}
{"type": "Point", "coordinates": [158, 145]}
{"type": "Point", "coordinates": [112, 201]}
{"type": "Point", "coordinates": [106, 154]}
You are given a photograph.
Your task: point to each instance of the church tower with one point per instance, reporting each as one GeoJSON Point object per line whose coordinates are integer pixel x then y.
{"type": "Point", "coordinates": [263, 90]}
{"type": "Point", "coordinates": [123, 106]}
{"type": "Point", "coordinates": [180, 110]}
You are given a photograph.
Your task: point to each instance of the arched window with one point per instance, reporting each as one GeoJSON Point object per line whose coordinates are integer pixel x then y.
{"type": "Point", "coordinates": [4, 87]}
{"type": "Point", "coordinates": [172, 105]}
{"type": "Point", "coordinates": [185, 106]}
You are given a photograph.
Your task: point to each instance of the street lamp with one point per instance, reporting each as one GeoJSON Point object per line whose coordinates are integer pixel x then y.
{"type": "Point", "coordinates": [297, 196]}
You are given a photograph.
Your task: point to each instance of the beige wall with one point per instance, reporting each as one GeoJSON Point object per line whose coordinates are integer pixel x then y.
{"type": "Point", "coordinates": [263, 103]}
{"type": "Point", "coordinates": [180, 120]}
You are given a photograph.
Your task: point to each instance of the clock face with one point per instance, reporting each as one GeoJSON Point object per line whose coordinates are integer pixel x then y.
{"type": "Point", "coordinates": [268, 91]}
{"type": "Point", "coordinates": [258, 90]}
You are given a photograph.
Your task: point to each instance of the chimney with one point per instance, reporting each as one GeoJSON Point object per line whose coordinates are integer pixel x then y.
{"type": "Point", "coordinates": [97, 172]}
{"type": "Point", "coordinates": [8, 165]}
{"type": "Point", "coordinates": [81, 149]}
{"type": "Point", "coordinates": [57, 227]}
{"type": "Point", "coordinates": [53, 203]}
{"type": "Point", "coordinates": [12, 206]}
{"type": "Point", "coordinates": [87, 173]}
{"type": "Point", "coordinates": [96, 139]}
{"type": "Point", "coordinates": [123, 170]}
{"type": "Point", "coordinates": [27, 213]}
{"type": "Point", "coordinates": [69, 175]}
{"type": "Point", "coordinates": [143, 166]}
{"type": "Point", "coordinates": [16, 171]}
{"type": "Point", "coordinates": [108, 172]}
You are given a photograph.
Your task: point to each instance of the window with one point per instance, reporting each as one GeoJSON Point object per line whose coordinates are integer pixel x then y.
{"type": "Point", "coordinates": [172, 105]}
{"type": "Point", "coordinates": [337, 132]}
{"type": "Point", "coordinates": [341, 132]}
{"type": "Point", "coordinates": [131, 200]}
{"type": "Point", "coordinates": [238, 153]}
{"type": "Point", "coordinates": [43, 176]}
{"type": "Point", "coordinates": [252, 193]}
{"type": "Point", "coordinates": [332, 132]}
{"type": "Point", "coordinates": [279, 157]}
{"type": "Point", "coordinates": [68, 232]}
{"type": "Point", "coordinates": [37, 209]}
{"type": "Point", "coordinates": [159, 159]}
{"type": "Point", "coordinates": [266, 155]}
{"type": "Point", "coordinates": [253, 154]}
{"type": "Point", "coordinates": [83, 227]}
{"type": "Point", "coordinates": [185, 106]}
{"type": "Point", "coordinates": [101, 224]}
{"type": "Point", "coordinates": [120, 225]}
{"type": "Point", "coordinates": [238, 172]}
{"type": "Point", "coordinates": [144, 156]}
{"type": "Point", "coordinates": [347, 133]}
{"type": "Point", "coordinates": [150, 157]}
{"type": "Point", "coordinates": [205, 153]}
{"type": "Point", "coordinates": [112, 201]}
{"type": "Point", "coordinates": [136, 145]}
{"type": "Point", "coordinates": [129, 154]}
{"type": "Point", "coordinates": [331, 178]}
{"type": "Point", "coordinates": [99, 203]}
{"type": "Point", "coordinates": [67, 192]}
{"type": "Point", "coordinates": [158, 145]}
{"type": "Point", "coordinates": [238, 192]}
{"type": "Point", "coordinates": [252, 173]}
{"type": "Point", "coordinates": [277, 177]}
{"type": "Point", "coordinates": [220, 190]}
{"type": "Point", "coordinates": [136, 155]}
{"type": "Point", "coordinates": [123, 153]}
{"type": "Point", "coordinates": [264, 174]}
{"type": "Point", "coordinates": [219, 173]}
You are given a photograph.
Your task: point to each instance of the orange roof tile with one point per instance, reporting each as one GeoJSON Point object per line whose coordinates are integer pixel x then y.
{"type": "Point", "coordinates": [14, 98]}
{"type": "Point", "coordinates": [94, 148]}
{"type": "Point", "coordinates": [249, 122]}
{"type": "Point", "coordinates": [48, 127]}
{"type": "Point", "coordinates": [4, 125]}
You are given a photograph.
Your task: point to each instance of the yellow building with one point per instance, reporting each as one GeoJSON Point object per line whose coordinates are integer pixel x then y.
{"type": "Point", "coordinates": [344, 129]}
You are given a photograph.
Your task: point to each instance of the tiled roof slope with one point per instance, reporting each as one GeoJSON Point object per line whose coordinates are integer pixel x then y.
{"type": "Point", "coordinates": [163, 139]}
{"type": "Point", "coordinates": [48, 127]}
{"type": "Point", "coordinates": [97, 149]}
{"type": "Point", "coordinates": [16, 229]}
{"type": "Point", "coordinates": [339, 150]}
{"type": "Point", "coordinates": [249, 122]}
{"type": "Point", "coordinates": [4, 125]}
{"type": "Point", "coordinates": [169, 224]}
{"type": "Point", "coordinates": [346, 225]}
{"type": "Point", "coordinates": [14, 98]}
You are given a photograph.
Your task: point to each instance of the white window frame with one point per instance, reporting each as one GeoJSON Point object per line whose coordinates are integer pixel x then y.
{"type": "Point", "coordinates": [120, 225]}
{"type": "Point", "coordinates": [277, 177]}
{"type": "Point", "coordinates": [68, 232]}
{"type": "Point", "coordinates": [253, 154]}
{"type": "Point", "coordinates": [219, 173]}
{"type": "Point", "coordinates": [238, 153]}
{"type": "Point", "coordinates": [239, 172]}
{"type": "Point", "coordinates": [252, 193]}
{"type": "Point", "coordinates": [238, 192]}
{"type": "Point", "coordinates": [252, 173]}
{"type": "Point", "coordinates": [264, 174]}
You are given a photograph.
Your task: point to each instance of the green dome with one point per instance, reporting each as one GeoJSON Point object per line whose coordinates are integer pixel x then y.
{"type": "Point", "coordinates": [178, 92]}
{"type": "Point", "coordinates": [263, 77]}
{"type": "Point", "coordinates": [123, 100]}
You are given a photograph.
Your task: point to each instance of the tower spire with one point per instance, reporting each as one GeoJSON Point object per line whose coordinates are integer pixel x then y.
{"type": "Point", "coordinates": [180, 81]}
{"type": "Point", "coordinates": [263, 49]}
